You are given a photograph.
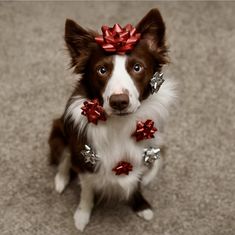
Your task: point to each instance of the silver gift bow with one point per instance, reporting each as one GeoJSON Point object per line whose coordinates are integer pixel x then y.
{"type": "Point", "coordinates": [150, 155]}
{"type": "Point", "coordinates": [89, 155]}
{"type": "Point", "coordinates": [156, 82]}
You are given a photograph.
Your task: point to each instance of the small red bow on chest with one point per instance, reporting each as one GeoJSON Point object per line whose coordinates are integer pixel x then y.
{"type": "Point", "coordinates": [123, 168]}
{"type": "Point", "coordinates": [144, 130]}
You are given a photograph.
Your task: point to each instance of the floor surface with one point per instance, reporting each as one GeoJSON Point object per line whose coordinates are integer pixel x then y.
{"type": "Point", "coordinates": [194, 192]}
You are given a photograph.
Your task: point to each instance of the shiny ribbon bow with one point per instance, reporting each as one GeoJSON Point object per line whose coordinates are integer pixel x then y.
{"type": "Point", "coordinates": [144, 130]}
{"type": "Point", "coordinates": [156, 82]}
{"type": "Point", "coordinates": [89, 155]}
{"type": "Point", "coordinates": [93, 111]}
{"type": "Point", "coordinates": [150, 155]}
{"type": "Point", "coordinates": [122, 168]}
{"type": "Point", "coordinates": [118, 39]}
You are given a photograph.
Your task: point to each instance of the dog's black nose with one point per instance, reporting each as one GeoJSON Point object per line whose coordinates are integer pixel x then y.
{"type": "Point", "coordinates": [119, 102]}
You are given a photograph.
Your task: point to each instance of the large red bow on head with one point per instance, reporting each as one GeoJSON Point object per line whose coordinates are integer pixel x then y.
{"type": "Point", "coordinates": [144, 130]}
{"type": "Point", "coordinates": [93, 111]}
{"type": "Point", "coordinates": [118, 39]}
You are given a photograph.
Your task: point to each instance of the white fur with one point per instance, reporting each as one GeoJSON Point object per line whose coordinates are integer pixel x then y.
{"type": "Point", "coordinates": [62, 177]}
{"type": "Point", "coordinates": [74, 113]}
{"type": "Point", "coordinates": [146, 214]}
{"type": "Point", "coordinates": [83, 212]}
{"type": "Point", "coordinates": [149, 175]}
{"type": "Point", "coordinates": [119, 83]}
{"type": "Point", "coordinates": [112, 140]}
{"type": "Point", "coordinates": [61, 182]}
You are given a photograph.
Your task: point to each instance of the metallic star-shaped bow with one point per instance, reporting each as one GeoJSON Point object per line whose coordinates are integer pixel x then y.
{"type": "Point", "coordinates": [89, 155]}
{"type": "Point", "coordinates": [156, 82]}
{"type": "Point", "coordinates": [150, 155]}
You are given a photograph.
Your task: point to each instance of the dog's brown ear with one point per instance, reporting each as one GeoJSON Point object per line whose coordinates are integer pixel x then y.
{"type": "Point", "coordinates": [78, 42]}
{"type": "Point", "coordinates": [152, 29]}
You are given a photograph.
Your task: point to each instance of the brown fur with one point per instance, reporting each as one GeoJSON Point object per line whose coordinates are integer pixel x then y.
{"type": "Point", "coordinates": [138, 202]}
{"type": "Point", "coordinates": [57, 141]}
{"type": "Point", "coordinates": [86, 57]}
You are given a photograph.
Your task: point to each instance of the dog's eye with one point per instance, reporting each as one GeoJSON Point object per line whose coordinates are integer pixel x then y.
{"type": "Point", "coordinates": [137, 68]}
{"type": "Point", "coordinates": [102, 70]}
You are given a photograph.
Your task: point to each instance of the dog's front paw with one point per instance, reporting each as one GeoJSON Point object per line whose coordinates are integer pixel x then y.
{"type": "Point", "coordinates": [61, 181]}
{"type": "Point", "coordinates": [146, 214]}
{"type": "Point", "coordinates": [81, 219]}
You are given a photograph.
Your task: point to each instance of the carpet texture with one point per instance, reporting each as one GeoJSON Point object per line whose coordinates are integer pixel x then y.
{"type": "Point", "coordinates": [194, 191]}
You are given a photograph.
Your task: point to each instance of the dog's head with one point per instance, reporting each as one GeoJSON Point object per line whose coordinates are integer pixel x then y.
{"type": "Point", "coordinates": [120, 82]}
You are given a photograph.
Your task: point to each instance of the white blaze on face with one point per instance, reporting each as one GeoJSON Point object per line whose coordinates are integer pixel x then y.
{"type": "Point", "coordinates": [120, 82]}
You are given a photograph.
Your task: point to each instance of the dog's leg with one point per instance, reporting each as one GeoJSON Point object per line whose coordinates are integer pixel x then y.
{"type": "Point", "coordinates": [141, 206]}
{"type": "Point", "coordinates": [149, 176]}
{"type": "Point", "coordinates": [57, 142]}
{"type": "Point", "coordinates": [84, 209]}
{"type": "Point", "coordinates": [62, 177]}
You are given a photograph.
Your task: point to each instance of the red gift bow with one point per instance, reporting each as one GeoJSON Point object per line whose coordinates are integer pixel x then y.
{"type": "Point", "coordinates": [144, 130]}
{"type": "Point", "coordinates": [122, 168]}
{"type": "Point", "coordinates": [118, 39]}
{"type": "Point", "coordinates": [93, 111]}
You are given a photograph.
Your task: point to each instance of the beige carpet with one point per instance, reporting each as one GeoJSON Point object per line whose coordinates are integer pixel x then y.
{"type": "Point", "coordinates": [194, 194]}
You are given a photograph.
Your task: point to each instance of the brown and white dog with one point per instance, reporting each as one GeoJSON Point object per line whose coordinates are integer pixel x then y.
{"type": "Point", "coordinates": [121, 85]}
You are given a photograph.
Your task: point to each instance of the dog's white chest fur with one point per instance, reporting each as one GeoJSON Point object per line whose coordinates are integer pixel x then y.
{"type": "Point", "coordinates": [113, 142]}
